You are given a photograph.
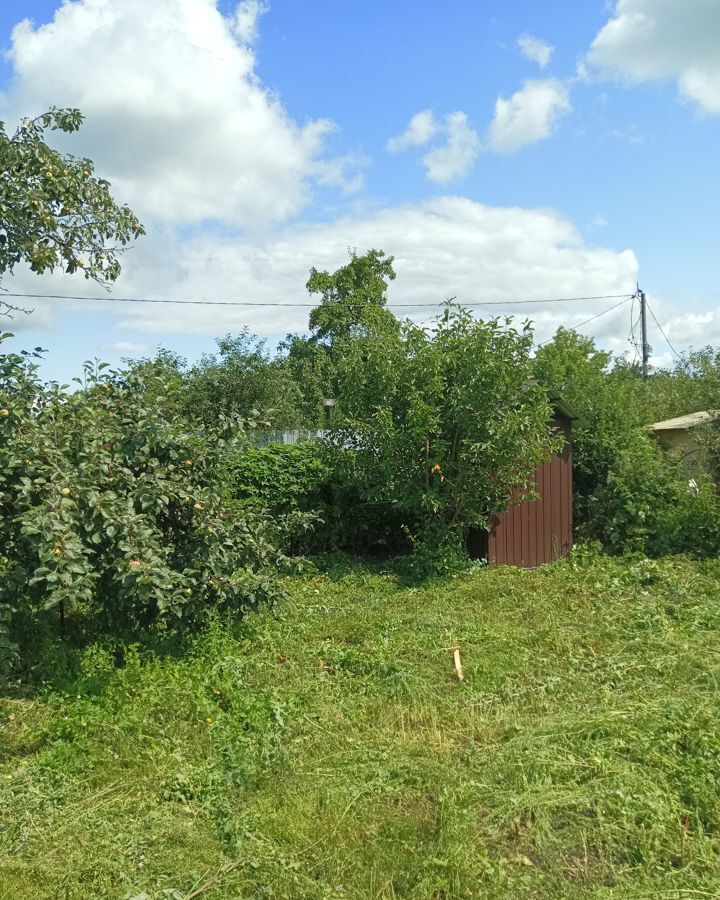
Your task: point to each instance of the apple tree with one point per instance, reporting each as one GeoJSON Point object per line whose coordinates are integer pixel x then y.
{"type": "Point", "coordinates": [55, 213]}
{"type": "Point", "coordinates": [441, 423]}
{"type": "Point", "coordinates": [112, 508]}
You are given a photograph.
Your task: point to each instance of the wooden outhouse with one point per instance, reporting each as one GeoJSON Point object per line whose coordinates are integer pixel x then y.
{"type": "Point", "coordinates": [534, 532]}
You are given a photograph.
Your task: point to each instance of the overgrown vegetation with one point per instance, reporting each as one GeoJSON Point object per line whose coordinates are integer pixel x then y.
{"type": "Point", "coordinates": [426, 409]}
{"type": "Point", "coordinates": [285, 479]}
{"type": "Point", "coordinates": [330, 750]}
{"type": "Point", "coordinates": [136, 497]}
{"type": "Point", "coordinates": [111, 513]}
{"type": "Point", "coordinates": [170, 731]}
{"type": "Point", "coordinates": [443, 422]}
{"type": "Point", "coordinates": [629, 493]}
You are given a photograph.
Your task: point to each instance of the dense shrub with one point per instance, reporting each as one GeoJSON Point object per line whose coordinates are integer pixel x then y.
{"type": "Point", "coordinates": [628, 493]}
{"type": "Point", "coordinates": [285, 480]}
{"type": "Point", "coordinates": [648, 503]}
{"type": "Point", "coordinates": [281, 477]}
{"type": "Point", "coordinates": [689, 524]}
{"type": "Point", "coordinates": [444, 421]}
{"type": "Point", "coordinates": [112, 510]}
{"type": "Point", "coordinates": [619, 510]}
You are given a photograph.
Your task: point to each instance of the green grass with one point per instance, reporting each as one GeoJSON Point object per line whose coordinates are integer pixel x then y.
{"type": "Point", "coordinates": [329, 750]}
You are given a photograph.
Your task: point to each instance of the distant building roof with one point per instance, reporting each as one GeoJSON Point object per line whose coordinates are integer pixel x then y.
{"type": "Point", "coordinates": [682, 423]}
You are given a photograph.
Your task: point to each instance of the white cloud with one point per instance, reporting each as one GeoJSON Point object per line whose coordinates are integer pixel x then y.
{"type": "Point", "coordinates": [177, 118]}
{"type": "Point", "coordinates": [450, 160]}
{"type": "Point", "coordinates": [457, 156]}
{"type": "Point", "coordinates": [685, 328]}
{"type": "Point", "coordinates": [245, 22]}
{"type": "Point", "coordinates": [663, 39]}
{"type": "Point", "coordinates": [421, 128]}
{"type": "Point", "coordinates": [535, 49]}
{"type": "Point", "coordinates": [445, 247]}
{"type": "Point", "coordinates": [130, 348]}
{"type": "Point", "coordinates": [529, 115]}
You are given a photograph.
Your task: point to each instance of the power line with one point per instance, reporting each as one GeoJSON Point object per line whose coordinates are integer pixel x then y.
{"type": "Point", "coordinates": [667, 340]}
{"type": "Point", "coordinates": [592, 318]}
{"type": "Point", "coordinates": [110, 299]}
{"type": "Point", "coordinates": [632, 337]}
{"type": "Point", "coordinates": [246, 303]}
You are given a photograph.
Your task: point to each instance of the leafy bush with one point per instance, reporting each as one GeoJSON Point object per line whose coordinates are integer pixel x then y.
{"type": "Point", "coordinates": [436, 551]}
{"type": "Point", "coordinates": [281, 477]}
{"type": "Point", "coordinates": [648, 504]}
{"type": "Point", "coordinates": [689, 523]}
{"type": "Point", "coordinates": [608, 404]}
{"type": "Point", "coordinates": [444, 422]}
{"type": "Point", "coordinates": [628, 493]}
{"type": "Point", "coordinates": [287, 480]}
{"type": "Point", "coordinates": [112, 510]}
{"type": "Point", "coordinates": [620, 509]}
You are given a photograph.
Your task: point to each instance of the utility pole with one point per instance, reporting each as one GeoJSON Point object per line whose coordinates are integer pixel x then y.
{"type": "Point", "coordinates": [643, 326]}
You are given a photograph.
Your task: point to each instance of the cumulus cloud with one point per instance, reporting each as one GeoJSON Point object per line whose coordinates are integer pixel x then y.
{"type": "Point", "coordinates": [245, 21]}
{"type": "Point", "coordinates": [686, 330]}
{"type": "Point", "coordinates": [445, 247]}
{"type": "Point", "coordinates": [421, 128]}
{"type": "Point", "coordinates": [694, 328]}
{"type": "Point", "coordinates": [456, 157]}
{"type": "Point", "coordinates": [451, 159]}
{"type": "Point", "coordinates": [177, 117]}
{"type": "Point", "coordinates": [535, 49]}
{"type": "Point", "coordinates": [663, 39]}
{"type": "Point", "coordinates": [529, 115]}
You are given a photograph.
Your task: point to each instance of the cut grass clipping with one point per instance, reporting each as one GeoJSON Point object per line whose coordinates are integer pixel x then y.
{"type": "Point", "coordinates": [329, 750]}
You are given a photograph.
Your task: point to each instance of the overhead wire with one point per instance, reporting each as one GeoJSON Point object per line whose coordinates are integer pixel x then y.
{"type": "Point", "coordinates": [634, 322]}
{"type": "Point", "coordinates": [261, 303]}
{"type": "Point", "coordinates": [624, 298]}
{"type": "Point", "coordinates": [667, 339]}
{"type": "Point", "coordinates": [592, 318]}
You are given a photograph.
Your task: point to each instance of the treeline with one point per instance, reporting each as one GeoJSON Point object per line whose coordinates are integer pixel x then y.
{"type": "Point", "coordinates": [629, 494]}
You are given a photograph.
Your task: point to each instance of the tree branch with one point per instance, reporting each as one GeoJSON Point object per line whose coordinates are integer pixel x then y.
{"type": "Point", "coordinates": [7, 310]}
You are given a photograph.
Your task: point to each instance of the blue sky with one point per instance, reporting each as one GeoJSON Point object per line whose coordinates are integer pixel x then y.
{"type": "Point", "coordinates": [557, 149]}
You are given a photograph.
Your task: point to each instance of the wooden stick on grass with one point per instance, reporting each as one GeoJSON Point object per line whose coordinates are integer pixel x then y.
{"type": "Point", "coordinates": [458, 662]}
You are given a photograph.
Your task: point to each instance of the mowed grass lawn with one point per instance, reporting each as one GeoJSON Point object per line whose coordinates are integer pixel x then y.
{"type": "Point", "coordinates": [328, 749]}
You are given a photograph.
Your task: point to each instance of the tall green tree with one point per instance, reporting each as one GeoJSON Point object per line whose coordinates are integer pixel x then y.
{"type": "Point", "coordinates": [54, 212]}
{"type": "Point", "coordinates": [353, 304]}
{"type": "Point", "coordinates": [353, 298]}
